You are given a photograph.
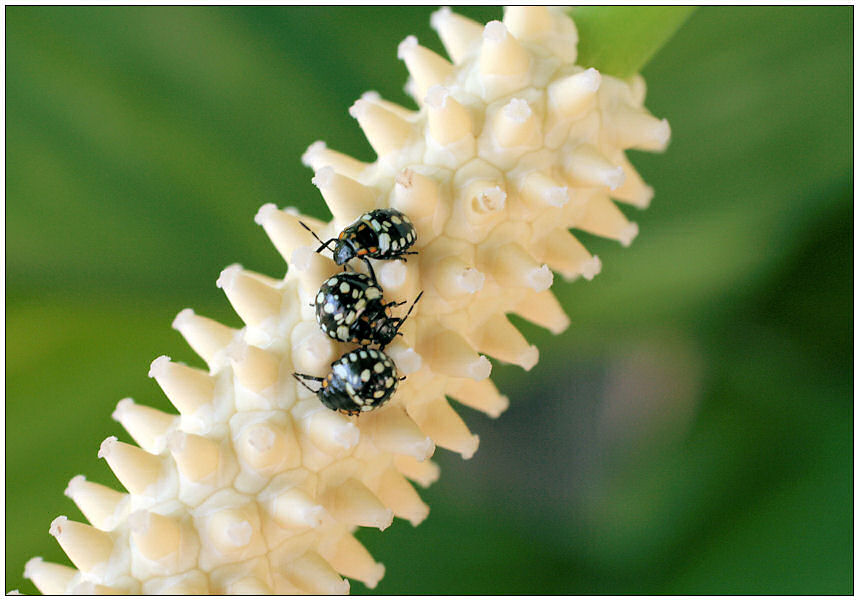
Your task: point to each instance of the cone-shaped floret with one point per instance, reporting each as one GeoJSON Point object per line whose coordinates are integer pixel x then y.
{"type": "Point", "coordinates": [448, 120]}
{"type": "Point", "coordinates": [396, 279]}
{"type": "Point", "coordinates": [548, 27]}
{"type": "Point", "coordinates": [206, 336]}
{"type": "Point", "coordinates": [440, 422]}
{"type": "Point", "coordinates": [501, 54]}
{"type": "Point", "coordinates": [50, 578]}
{"type": "Point", "coordinates": [87, 547]}
{"type": "Point", "coordinates": [162, 539]}
{"type": "Point", "coordinates": [254, 368]}
{"type": "Point", "coordinates": [147, 426]}
{"type": "Point", "coordinates": [417, 196]}
{"type": "Point", "coordinates": [293, 508]}
{"type": "Point", "coordinates": [283, 228]}
{"type": "Point", "coordinates": [587, 167]}
{"type": "Point", "coordinates": [188, 388]}
{"type": "Point", "coordinates": [498, 338]}
{"type": "Point", "coordinates": [253, 300]}
{"type": "Point", "coordinates": [565, 254]}
{"type": "Point", "coordinates": [267, 446]}
{"type": "Point", "coordinates": [407, 360]}
{"type": "Point", "coordinates": [543, 309]}
{"type": "Point", "coordinates": [454, 277]}
{"type": "Point", "coordinates": [392, 430]}
{"type": "Point", "coordinates": [516, 125]}
{"type": "Point", "coordinates": [633, 190]}
{"type": "Point", "coordinates": [311, 268]}
{"type": "Point", "coordinates": [448, 353]}
{"type": "Point", "coordinates": [332, 432]}
{"type": "Point", "coordinates": [350, 558]}
{"type": "Point", "coordinates": [396, 492]}
{"type": "Point", "coordinates": [197, 457]}
{"type": "Point", "coordinates": [424, 473]}
{"type": "Point", "coordinates": [229, 530]}
{"type": "Point", "coordinates": [603, 218]}
{"type": "Point", "coordinates": [385, 131]}
{"type": "Point", "coordinates": [512, 266]}
{"type": "Point", "coordinates": [397, 109]}
{"type": "Point", "coordinates": [318, 155]}
{"type": "Point", "coordinates": [313, 350]}
{"type": "Point", "coordinates": [636, 128]}
{"type": "Point", "coordinates": [528, 22]}
{"type": "Point", "coordinates": [483, 396]}
{"type": "Point", "coordinates": [425, 66]}
{"type": "Point", "coordinates": [571, 96]}
{"type": "Point", "coordinates": [540, 190]}
{"type": "Point", "coordinates": [458, 34]}
{"type": "Point", "coordinates": [353, 503]}
{"type": "Point", "coordinates": [346, 198]}
{"type": "Point", "coordinates": [138, 471]}
{"type": "Point", "coordinates": [102, 506]}
{"type": "Point", "coordinates": [479, 205]}
{"type": "Point", "coordinates": [313, 575]}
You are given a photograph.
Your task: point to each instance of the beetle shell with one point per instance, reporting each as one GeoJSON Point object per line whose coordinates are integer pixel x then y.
{"type": "Point", "coordinates": [346, 305]}
{"type": "Point", "coordinates": [359, 381]}
{"type": "Point", "coordinates": [380, 234]}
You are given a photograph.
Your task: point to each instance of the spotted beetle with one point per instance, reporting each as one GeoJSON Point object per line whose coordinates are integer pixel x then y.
{"type": "Point", "coordinates": [359, 381]}
{"type": "Point", "coordinates": [349, 308]}
{"type": "Point", "coordinates": [378, 234]}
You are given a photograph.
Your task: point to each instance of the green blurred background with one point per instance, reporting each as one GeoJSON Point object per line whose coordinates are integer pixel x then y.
{"type": "Point", "coordinates": [690, 433]}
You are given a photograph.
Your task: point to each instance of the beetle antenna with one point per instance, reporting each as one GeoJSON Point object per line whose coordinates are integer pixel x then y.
{"type": "Point", "coordinates": [302, 377]}
{"type": "Point", "coordinates": [401, 321]}
{"type": "Point", "coordinates": [323, 244]}
{"type": "Point", "coordinates": [412, 307]}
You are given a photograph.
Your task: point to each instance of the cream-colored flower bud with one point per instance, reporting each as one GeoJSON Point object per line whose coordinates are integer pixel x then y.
{"type": "Point", "coordinates": [459, 35]}
{"type": "Point", "coordinates": [254, 301]}
{"type": "Point", "coordinates": [148, 427]}
{"type": "Point", "coordinates": [353, 503]}
{"type": "Point", "coordinates": [318, 155]}
{"type": "Point", "coordinates": [385, 131]}
{"type": "Point", "coordinates": [284, 228]}
{"type": "Point", "coordinates": [346, 198]}
{"type": "Point", "coordinates": [102, 506]}
{"type": "Point", "coordinates": [206, 336]}
{"type": "Point", "coordinates": [50, 578]}
{"type": "Point", "coordinates": [138, 471]}
{"type": "Point", "coordinates": [88, 548]}
{"type": "Point", "coordinates": [425, 66]}
{"type": "Point", "coordinates": [448, 120]}
{"type": "Point", "coordinates": [187, 388]}
{"type": "Point", "coordinates": [501, 54]}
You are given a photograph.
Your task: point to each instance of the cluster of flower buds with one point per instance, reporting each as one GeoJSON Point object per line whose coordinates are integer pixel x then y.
{"type": "Point", "coordinates": [255, 485]}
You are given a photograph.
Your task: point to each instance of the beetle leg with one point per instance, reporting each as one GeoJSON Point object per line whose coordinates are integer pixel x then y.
{"type": "Point", "coordinates": [370, 269]}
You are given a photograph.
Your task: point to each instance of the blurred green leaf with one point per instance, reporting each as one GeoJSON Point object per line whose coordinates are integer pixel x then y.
{"type": "Point", "coordinates": [620, 40]}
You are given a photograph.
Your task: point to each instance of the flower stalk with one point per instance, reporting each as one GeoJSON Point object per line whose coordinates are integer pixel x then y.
{"type": "Point", "coordinates": [254, 486]}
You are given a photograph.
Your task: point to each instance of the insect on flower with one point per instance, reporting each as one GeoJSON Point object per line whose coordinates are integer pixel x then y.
{"type": "Point", "coordinates": [379, 234]}
{"type": "Point", "coordinates": [359, 381]}
{"type": "Point", "coordinates": [350, 308]}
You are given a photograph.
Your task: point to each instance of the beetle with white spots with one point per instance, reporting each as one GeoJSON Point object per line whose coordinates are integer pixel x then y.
{"type": "Point", "coordinates": [350, 308]}
{"type": "Point", "coordinates": [382, 234]}
{"type": "Point", "coordinates": [359, 381]}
